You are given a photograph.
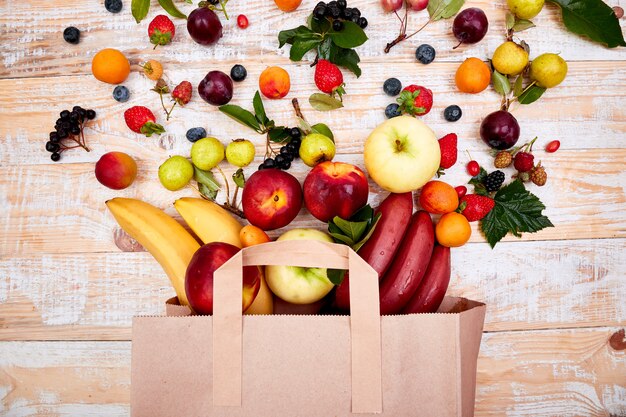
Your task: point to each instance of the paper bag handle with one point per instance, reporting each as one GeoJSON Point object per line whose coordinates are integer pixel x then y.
{"type": "Point", "coordinates": [364, 319]}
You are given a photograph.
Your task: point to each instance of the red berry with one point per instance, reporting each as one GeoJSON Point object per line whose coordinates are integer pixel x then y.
{"type": "Point", "coordinates": [447, 146]}
{"type": "Point", "coordinates": [461, 190]}
{"type": "Point", "coordinates": [161, 30]}
{"type": "Point", "coordinates": [328, 77]}
{"type": "Point", "coordinates": [473, 168]}
{"type": "Point", "coordinates": [553, 146]}
{"type": "Point", "coordinates": [524, 161]}
{"type": "Point", "coordinates": [242, 21]}
{"type": "Point", "coordinates": [415, 100]}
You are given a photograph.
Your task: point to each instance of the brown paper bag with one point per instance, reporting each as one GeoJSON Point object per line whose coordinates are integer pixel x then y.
{"type": "Point", "coordinates": [229, 365]}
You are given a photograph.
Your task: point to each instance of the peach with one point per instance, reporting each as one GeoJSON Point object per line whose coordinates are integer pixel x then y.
{"type": "Point", "coordinates": [274, 82]}
{"type": "Point", "coordinates": [116, 170]}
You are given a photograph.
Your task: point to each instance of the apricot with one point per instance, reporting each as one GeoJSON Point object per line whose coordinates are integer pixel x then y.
{"type": "Point", "coordinates": [110, 66]}
{"type": "Point", "coordinates": [274, 82]}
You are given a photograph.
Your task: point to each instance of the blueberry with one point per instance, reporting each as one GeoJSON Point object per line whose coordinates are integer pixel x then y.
{"type": "Point", "coordinates": [342, 4]}
{"type": "Point", "coordinates": [238, 73]}
{"type": "Point", "coordinates": [452, 113]}
{"type": "Point", "coordinates": [71, 35]}
{"type": "Point", "coordinates": [392, 87]}
{"type": "Point", "coordinates": [195, 133]}
{"type": "Point", "coordinates": [337, 25]}
{"type": "Point", "coordinates": [121, 94]}
{"type": "Point", "coordinates": [113, 6]}
{"type": "Point", "coordinates": [362, 22]}
{"type": "Point", "coordinates": [55, 156]}
{"type": "Point", "coordinates": [392, 111]}
{"type": "Point", "coordinates": [425, 54]}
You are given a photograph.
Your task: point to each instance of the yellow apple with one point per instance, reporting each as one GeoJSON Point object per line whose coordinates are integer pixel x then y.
{"type": "Point", "coordinates": [402, 154]}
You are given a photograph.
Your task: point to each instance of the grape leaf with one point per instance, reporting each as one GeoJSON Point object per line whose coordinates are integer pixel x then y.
{"type": "Point", "coordinates": [531, 94]}
{"type": "Point", "coordinates": [170, 7]}
{"type": "Point", "coordinates": [517, 210]}
{"type": "Point", "coordinates": [350, 36]}
{"type": "Point", "coordinates": [324, 102]}
{"type": "Point", "coordinates": [592, 18]}
{"type": "Point", "coordinates": [501, 83]}
{"type": "Point", "coordinates": [139, 9]}
{"type": "Point", "coordinates": [444, 9]}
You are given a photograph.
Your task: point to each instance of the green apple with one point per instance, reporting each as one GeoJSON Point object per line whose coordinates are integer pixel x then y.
{"type": "Point", "coordinates": [175, 172]}
{"type": "Point", "coordinates": [316, 148]}
{"type": "Point", "coordinates": [402, 154]}
{"type": "Point", "coordinates": [296, 284]}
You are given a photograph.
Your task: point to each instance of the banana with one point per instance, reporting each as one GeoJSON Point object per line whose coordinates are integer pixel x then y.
{"type": "Point", "coordinates": [209, 221]}
{"type": "Point", "coordinates": [170, 244]}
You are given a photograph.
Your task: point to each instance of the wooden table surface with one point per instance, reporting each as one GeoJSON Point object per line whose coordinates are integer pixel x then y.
{"type": "Point", "coordinates": [68, 293]}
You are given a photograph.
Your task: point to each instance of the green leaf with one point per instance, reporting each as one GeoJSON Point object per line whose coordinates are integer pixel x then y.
{"type": "Point", "coordinates": [322, 129]}
{"type": "Point", "coordinates": [319, 26]}
{"type": "Point", "coordinates": [444, 9]}
{"type": "Point", "coordinates": [324, 102]}
{"type": "Point", "coordinates": [531, 95]}
{"type": "Point", "coordinates": [364, 213]}
{"type": "Point", "coordinates": [516, 211]}
{"type": "Point", "coordinates": [239, 178]}
{"type": "Point", "coordinates": [301, 46]}
{"type": "Point", "coordinates": [207, 192]}
{"type": "Point", "coordinates": [518, 87]}
{"type": "Point", "coordinates": [510, 21]}
{"type": "Point", "coordinates": [288, 36]}
{"type": "Point", "coordinates": [365, 238]}
{"type": "Point", "coordinates": [341, 238]}
{"type": "Point", "coordinates": [259, 109]}
{"type": "Point", "coordinates": [350, 36]}
{"type": "Point", "coordinates": [207, 185]}
{"type": "Point", "coordinates": [278, 134]}
{"type": "Point", "coordinates": [139, 9]}
{"type": "Point", "coordinates": [324, 50]}
{"type": "Point", "coordinates": [522, 24]}
{"type": "Point", "coordinates": [501, 83]}
{"type": "Point", "coordinates": [347, 58]}
{"type": "Point", "coordinates": [336, 276]}
{"type": "Point", "coordinates": [351, 229]}
{"type": "Point", "coordinates": [241, 115]}
{"type": "Point", "coordinates": [592, 18]}
{"type": "Point", "coordinates": [170, 7]}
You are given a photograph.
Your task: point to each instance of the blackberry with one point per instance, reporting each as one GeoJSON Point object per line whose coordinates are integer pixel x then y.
{"type": "Point", "coordinates": [113, 6]}
{"type": "Point", "coordinates": [425, 54]}
{"type": "Point", "coordinates": [337, 25]}
{"type": "Point", "coordinates": [195, 133]}
{"type": "Point", "coordinates": [392, 87]}
{"type": "Point", "coordinates": [71, 35]}
{"type": "Point", "coordinates": [238, 73]}
{"type": "Point", "coordinates": [452, 113]}
{"type": "Point", "coordinates": [362, 22]}
{"type": "Point", "coordinates": [392, 110]}
{"type": "Point", "coordinates": [493, 181]}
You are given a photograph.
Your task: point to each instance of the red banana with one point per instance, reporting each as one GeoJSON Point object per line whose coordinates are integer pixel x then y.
{"type": "Point", "coordinates": [381, 247]}
{"type": "Point", "coordinates": [409, 266]}
{"type": "Point", "coordinates": [431, 291]}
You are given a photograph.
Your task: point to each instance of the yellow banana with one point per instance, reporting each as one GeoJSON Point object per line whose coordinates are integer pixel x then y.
{"type": "Point", "coordinates": [209, 221]}
{"type": "Point", "coordinates": [170, 244]}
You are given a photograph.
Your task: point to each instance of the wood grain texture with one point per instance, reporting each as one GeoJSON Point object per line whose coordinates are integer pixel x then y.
{"type": "Point", "coordinates": [586, 111]}
{"type": "Point", "coordinates": [95, 296]}
{"type": "Point", "coordinates": [566, 373]}
{"type": "Point", "coordinates": [33, 42]}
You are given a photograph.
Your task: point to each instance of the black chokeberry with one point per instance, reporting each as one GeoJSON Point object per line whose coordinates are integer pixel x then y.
{"type": "Point", "coordinates": [334, 12]}
{"type": "Point", "coordinates": [55, 156]}
{"type": "Point", "coordinates": [346, 14]}
{"type": "Point", "coordinates": [66, 125]}
{"type": "Point", "coordinates": [65, 114]}
{"type": "Point", "coordinates": [452, 113]}
{"type": "Point", "coordinates": [284, 150]}
{"type": "Point", "coordinates": [319, 12]}
{"type": "Point", "coordinates": [91, 114]}
{"type": "Point", "coordinates": [337, 25]}
{"type": "Point", "coordinates": [214, 2]}
{"type": "Point", "coordinates": [295, 133]}
{"type": "Point", "coordinates": [54, 137]}
{"type": "Point", "coordinates": [279, 159]}
{"type": "Point", "coordinates": [113, 6]}
{"type": "Point", "coordinates": [261, 167]}
{"type": "Point", "coordinates": [425, 54]}
{"type": "Point", "coordinates": [392, 110]}
{"type": "Point", "coordinates": [392, 87]}
{"type": "Point", "coordinates": [62, 134]}
{"type": "Point", "coordinates": [75, 130]}
{"type": "Point", "coordinates": [74, 116]}
{"type": "Point", "coordinates": [292, 148]}
{"type": "Point", "coordinates": [71, 35]}
{"type": "Point", "coordinates": [342, 4]}
{"type": "Point", "coordinates": [286, 165]}
{"type": "Point", "coordinates": [332, 3]}
{"type": "Point", "coordinates": [363, 22]}
{"type": "Point", "coordinates": [269, 163]}
{"type": "Point", "coordinates": [296, 143]}
{"type": "Point", "coordinates": [238, 72]}
{"type": "Point", "coordinates": [320, 4]}
{"type": "Point", "coordinates": [52, 147]}
{"type": "Point", "coordinates": [356, 12]}
{"type": "Point", "coordinates": [77, 109]}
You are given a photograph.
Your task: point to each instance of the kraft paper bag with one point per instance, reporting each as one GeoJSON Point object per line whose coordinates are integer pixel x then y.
{"type": "Point", "coordinates": [298, 366]}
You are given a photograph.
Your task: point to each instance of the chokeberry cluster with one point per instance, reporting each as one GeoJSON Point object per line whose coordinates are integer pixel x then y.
{"type": "Point", "coordinates": [287, 153]}
{"type": "Point", "coordinates": [338, 12]}
{"type": "Point", "coordinates": [69, 127]}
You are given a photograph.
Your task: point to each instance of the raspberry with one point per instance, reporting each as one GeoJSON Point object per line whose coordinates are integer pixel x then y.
{"type": "Point", "coordinates": [539, 176]}
{"type": "Point", "coordinates": [503, 159]}
{"type": "Point", "coordinates": [524, 161]}
{"type": "Point", "coordinates": [493, 181]}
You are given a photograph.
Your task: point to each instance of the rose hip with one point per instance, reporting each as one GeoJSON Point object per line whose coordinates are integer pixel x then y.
{"type": "Point", "coordinates": [461, 190]}
{"type": "Point", "coordinates": [553, 146]}
{"type": "Point", "coordinates": [242, 21]}
{"type": "Point", "coordinates": [473, 168]}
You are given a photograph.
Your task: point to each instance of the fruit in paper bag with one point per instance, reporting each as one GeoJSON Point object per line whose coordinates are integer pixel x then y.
{"type": "Point", "coordinates": [264, 301]}
{"type": "Point", "coordinates": [296, 284]}
{"type": "Point", "coordinates": [170, 244]}
{"type": "Point", "coordinates": [434, 285]}
{"type": "Point", "coordinates": [209, 221]}
{"type": "Point", "coordinates": [200, 275]}
{"type": "Point", "coordinates": [335, 189]}
{"type": "Point", "coordinates": [382, 246]}
{"type": "Point", "coordinates": [402, 154]}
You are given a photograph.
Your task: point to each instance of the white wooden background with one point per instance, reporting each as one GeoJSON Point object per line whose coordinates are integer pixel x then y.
{"type": "Point", "coordinates": [68, 293]}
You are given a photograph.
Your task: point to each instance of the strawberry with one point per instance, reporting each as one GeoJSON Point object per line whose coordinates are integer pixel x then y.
{"type": "Point", "coordinates": [475, 207]}
{"type": "Point", "coordinates": [182, 93]}
{"type": "Point", "coordinates": [415, 100]}
{"type": "Point", "coordinates": [328, 78]}
{"type": "Point", "coordinates": [141, 120]}
{"type": "Point", "coordinates": [447, 146]}
{"type": "Point", "coordinates": [161, 30]}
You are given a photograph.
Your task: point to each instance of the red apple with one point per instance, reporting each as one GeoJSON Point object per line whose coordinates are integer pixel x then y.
{"type": "Point", "coordinates": [116, 170]}
{"type": "Point", "coordinates": [335, 189]}
{"type": "Point", "coordinates": [271, 199]}
{"type": "Point", "coordinates": [199, 277]}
